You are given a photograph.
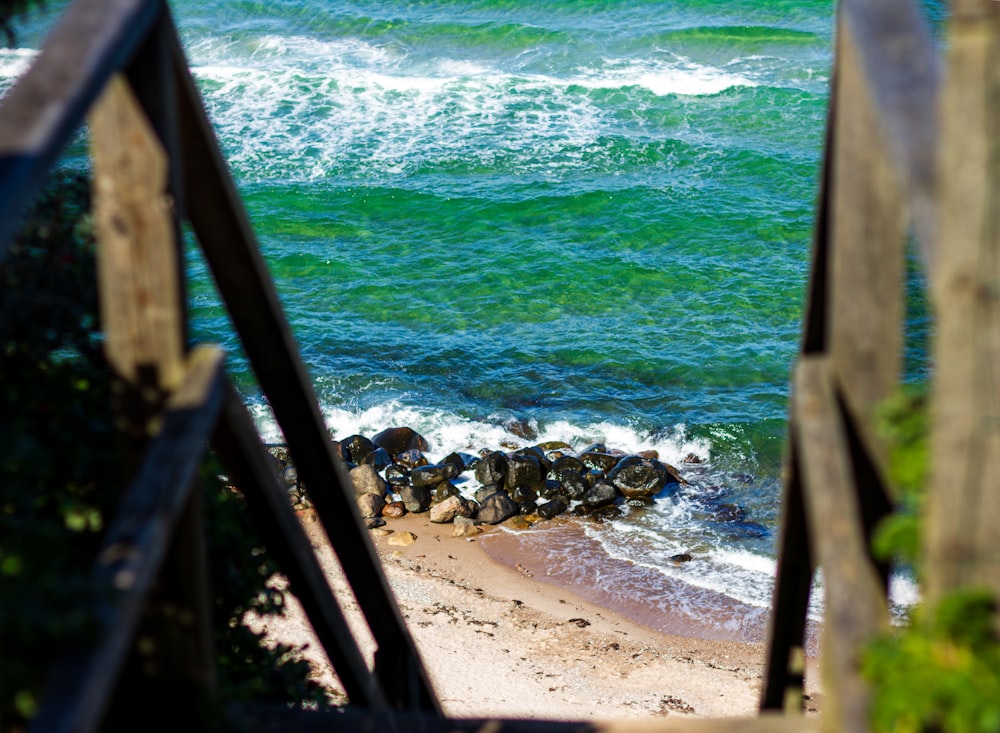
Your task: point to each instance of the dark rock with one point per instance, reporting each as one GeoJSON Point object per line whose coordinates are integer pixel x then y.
{"type": "Point", "coordinates": [521, 428]}
{"type": "Point", "coordinates": [371, 505]}
{"type": "Point", "coordinates": [415, 498]}
{"type": "Point", "coordinates": [398, 440]}
{"type": "Point", "coordinates": [675, 474]}
{"type": "Point", "coordinates": [394, 510]}
{"type": "Point", "coordinates": [681, 557]}
{"type": "Point", "coordinates": [356, 449]}
{"type": "Point", "coordinates": [444, 490]}
{"type": "Point", "coordinates": [432, 474]}
{"type": "Point", "coordinates": [522, 494]}
{"type": "Point", "coordinates": [367, 481]}
{"type": "Point", "coordinates": [573, 485]}
{"type": "Point", "coordinates": [597, 461]}
{"type": "Point", "coordinates": [551, 488]}
{"type": "Point", "coordinates": [537, 453]}
{"type": "Point", "coordinates": [640, 501]}
{"type": "Point", "coordinates": [374, 522]}
{"type": "Point", "coordinates": [551, 509]}
{"type": "Point", "coordinates": [635, 476]}
{"type": "Point", "coordinates": [526, 506]}
{"type": "Point", "coordinates": [651, 454]}
{"type": "Point", "coordinates": [523, 471]}
{"type": "Point", "coordinates": [397, 475]}
{"type": "Point", "coordinates": [604, 513]}
{"type": "Point", "coordinates": [692, 458]}
{"type": "Point", "coordinates": [483, 492]}
{"type": "Point", "coordinates": [592, 476]}
{"type": "Point", "coordinates": [595, 448]}
{"type": "Point", "coordinates": [497, 507]}
{"type": "Point", "coordinates": [600, 494]}
{"type": "Point", "coordinates": [379, 458]}
{"type": "Point", "coordinates": [412, 459]}
{"type": "Point", "coordinates": [564, 464]}
{"type": "Point", "coordinates": [290, 476]}
{"type": "Point", "coordinates": [461, 461]}
{"type": "Point", "coordinates": [492, 469]}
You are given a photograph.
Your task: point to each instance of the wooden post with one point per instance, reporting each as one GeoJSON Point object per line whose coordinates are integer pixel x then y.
{"type": "Point", "coordinates": [139, 277]}
{"type": "Point", "coordinates": [963, 505]}
{"type": "Point", "coordinates": [856, 606]}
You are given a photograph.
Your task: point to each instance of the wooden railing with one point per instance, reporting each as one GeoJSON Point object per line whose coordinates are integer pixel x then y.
{"type": "Point", "coordinates": [886, 177]}
{"type": "Point", "coordinates": [907, 156]}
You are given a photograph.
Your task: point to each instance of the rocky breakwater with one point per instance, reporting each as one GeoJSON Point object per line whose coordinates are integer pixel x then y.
{"type": "Point", "coordinates": [392, 475]}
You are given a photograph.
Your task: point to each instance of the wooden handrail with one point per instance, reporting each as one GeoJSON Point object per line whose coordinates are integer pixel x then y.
{"type": "Point", "coordinates": [136, 544]}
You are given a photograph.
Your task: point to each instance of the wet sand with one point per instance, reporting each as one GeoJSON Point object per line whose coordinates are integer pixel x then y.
{"type": "Point", "coordinates": [501, 635]}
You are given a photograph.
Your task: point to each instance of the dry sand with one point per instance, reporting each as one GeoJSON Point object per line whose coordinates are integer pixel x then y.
{"type": "Point", "coordinates": [497, 641]}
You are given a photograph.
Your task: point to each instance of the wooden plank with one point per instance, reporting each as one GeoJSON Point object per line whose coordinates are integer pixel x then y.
{"type": "Point", "coordinates": [866, 251]}
{"type": "Point", "coordinates": [855, 600]}
{"type": "Point", "coordinates": [137, 258]}
{"type": "Point", "coordinates": [784, 681]}
{"type": "Point", "coordinates": [40, 114]}
{"type": "Point", "coordinates": [248, 466]}
{"type": "Point", "coordinates": [963, 504]}
{"type": "Point", "coordinates": [227, 239]}
{"type": "Point", "coordinates": [900, 66]}
{"type": "Point", "coordinates": [137, 542]}
{"type": "Point", "coordinates": [259, 719]}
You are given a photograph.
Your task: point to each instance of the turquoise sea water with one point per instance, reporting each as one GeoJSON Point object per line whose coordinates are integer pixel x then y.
{"type": "Point", "coordinates": [589, 218]}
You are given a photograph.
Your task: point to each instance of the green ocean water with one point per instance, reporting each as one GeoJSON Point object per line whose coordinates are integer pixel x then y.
{"type": "Point", "coordinates": [590, 219]}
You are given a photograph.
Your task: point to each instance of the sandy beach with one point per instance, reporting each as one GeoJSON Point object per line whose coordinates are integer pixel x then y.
{"type": "Point", "coordinates": [499, 641]}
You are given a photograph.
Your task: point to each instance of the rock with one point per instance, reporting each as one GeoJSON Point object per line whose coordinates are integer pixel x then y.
{"type": "Point", "coordinates": [640, 501]}
{"type": "Point", "coordinates": [527, 506]}
{"type": "Point", "coordinates": [521, 428]}
{"type": "Point", "coordinates": [399, 440]}
{"type": "Point", "coordinates": [681, 557]}
{"type": "Point", "coordinates": [555, 445]}
{"type": "Point", "coordinates": [402, 539]}
{"type": "Point", "coordinates": [444, 490]}
{"type": "Point", "coordinates": [447, 510]}
{"type": "Point", "coordinates": [379, 458]}
{"type": "Point", "coordinates": [432, 475]}
{"type": "Point", "coordinates": [367, 481]}
{"type": "Point", "coordinates": [596, 448]}
{"type": "Point", "coordinates": [551, 509]}
{"type": "Point", "coordinates": [635, 476]}
{"type": "Point", "coordinates": [371, 505]}
{"type": "Point", "coordinates": [492, 469]}
{"type": "Point", "coordinates": [483, 492]}
{"type": "Point", "coordinates": [675, 474]}
{"type": "Point", "coordinates": [520, 522]}
{"type": "Point", "coordinates": [652, 454]}
{"type": "Point", "coordinates": [522, 494]}
{"type": "Point", "coordinates": [381, 532]}
{"type": "Point", "coordinates": [523, 472]}
{"type": "Point", "coordinates": [415, 498]}
{"type": "Point", "coordinates": [692, 458]}
{"type": "Point", "coordinates": [573, 485]}
{"type": "Point", "coordinates": [394, 510]}
{"type": "Point", "coordinates": [290, 476]}
{"type": "Point", "coordinates": [598, 461]}
{"type": "Point", "coordinates": [461, 461]}
{"type": "Point", "coordinates": [538, 453]}
{"type": "Point", "coordinates": [600, 494]}
{"type": "Point", "coordinates": [356, 448]}
{"type": "Point", "coordinates": [465, 527]}
{"type": "Point", "coordinates": [374, 522]}
{"type": "Point", "coordinates": [397, 475]}
{"type": "Point", "coordinates": [496, 508]}
{"type": "Point", "coordinates": [412, 459]}
{"type": "Point", "coordinates": [565, 464]}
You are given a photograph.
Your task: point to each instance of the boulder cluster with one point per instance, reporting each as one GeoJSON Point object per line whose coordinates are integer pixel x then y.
{"type": "Point", "coordinates": [392, 476]}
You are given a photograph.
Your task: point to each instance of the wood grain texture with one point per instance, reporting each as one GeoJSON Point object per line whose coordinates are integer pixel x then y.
{"type": "Point", "coordinates": [963, 506]}
{"type": "Point", "coordinates": [855, 601]}
{"type": "Point", "coordinates": [137, 253]}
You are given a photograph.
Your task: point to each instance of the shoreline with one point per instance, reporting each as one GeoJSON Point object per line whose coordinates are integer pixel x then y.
{"type": "Point", "coordinates": [499, 639]}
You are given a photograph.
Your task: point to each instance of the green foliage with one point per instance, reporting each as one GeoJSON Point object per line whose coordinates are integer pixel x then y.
{"type": "Point", "coordinates": [941, 670]}
{"type": "Point", "coordinates": [60, 478]}
{"type": "Point", "coordinates": [903, 427]}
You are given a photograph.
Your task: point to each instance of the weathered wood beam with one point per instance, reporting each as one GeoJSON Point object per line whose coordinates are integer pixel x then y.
{"type": "Point", "coordinates": [82, 685]}
{"type": "Point", "coordinates": [856, 607]}
{"type": "Point", "coordinates": [224, 232]}
{"type": "Point", "coordinates": [900, 67]}
{"type": "Point", "coordinates": [867, 230]}
{"type": "Point", "coordinates": [42, 111]}
{"type": "Point", "coordinates": [963, 503]}
{"type": "Point", "coordinates": [249, 466]}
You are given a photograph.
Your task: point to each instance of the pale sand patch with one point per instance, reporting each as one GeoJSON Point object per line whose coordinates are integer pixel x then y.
{"type": "Point", "coordinates": [496, 642]}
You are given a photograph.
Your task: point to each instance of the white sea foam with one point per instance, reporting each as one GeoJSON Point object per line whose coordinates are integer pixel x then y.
{"type": "Point", "coordinates": [14, 62]}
